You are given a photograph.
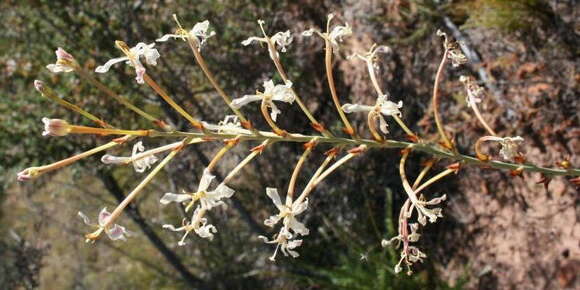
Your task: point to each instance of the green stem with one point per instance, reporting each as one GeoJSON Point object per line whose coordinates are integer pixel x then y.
{"type": "Point", "coordinates": [430, 149]}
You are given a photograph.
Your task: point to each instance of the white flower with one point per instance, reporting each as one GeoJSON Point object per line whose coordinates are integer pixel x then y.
{"type": "Point", "coordinates": [141, 160]}
{"type": "Point", "coordinates": [229, 125]}
{"type": "Point", "coordinates": [198, 224]}
{"type": "Point", "coordinates": [55, 127]}
{"type": "Point", "coordinates": [281, 40]}
{"type": "Point", "coordinates": [284, 242]}
{"type": "Point", "coordinates": [370, 56]}
{"type": "Point", "coordinates": [383, 106]}
{"type": "Point", "coordinates": [423, 212]}
{"type": "Point", "coordinates": [115, 231]}
{"type": "Point", "coordinates": [475, 93]}
{"type": "Point", "coordinates": [144, 163]}
{"type": "Point", "coordinates": [336, 34]}
{"type": "Point", "coordinates": [199, 32]}
{"type": "Point", "coordinates": [64, 62]}
{"type": "Point", "coordinates": [207, 199]}
{"type": "Point", "coordinates": [140, 50]}
{"type": "Point", "coordinates": [287, 213]}
{"type": "Point", "coordinates": [281, 93]}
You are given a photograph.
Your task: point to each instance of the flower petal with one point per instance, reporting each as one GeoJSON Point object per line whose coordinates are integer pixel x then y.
{"type": "Point", "coordinates": [166, 37]}
{"type": "Point", "coordinates": [300, 207]}
{"type": "Point", "coordinates": [116, 232]}
{"type": "Point", "coordinates": [110, 159]}
{"type": "Point", "coordinates": [57, 68]}
{"type": "Point", "coordinates": [172, 228]}
{"type": "Point", "coordinates": [389, 108]}
{"type": "Point", "coordinates": [272, 193]}
{"type": "Point", "coordinates": [103, 216]}
{"type": "Point", "coordinates": [85, 218]}
{"type": "Point", "coordinates": [283, 93]}
{"type": "Point", "coordinates": [272, 220]}
{"type": "Point", "coordinates": [282, 39]}
{"type": "Point", "coordinates": [144, 163]}
{"type": "Point", "coordinates": [151, 55]}
{"type": "Point", "coordinates": [240, 102]}
{"type": "Point", "coordinates": [252, 39]}
{"type": "Point", "coordinates": [223, 191]}
{"type": "Point", "coordinates": [296, 226]}
{"type": "Point", "coordinates": [274, 111]}
{"type": "Point", "coordinates": [105, 68]}
{"type": "Point", "coordinates": [383, 125]}
{"type": "Point", "coordinates": [205, 181]}
{"type": "Point", "coordinates": [206, 231]}
{"type": "Point", "coordinates": [355, 108]}
{"type": "Point", "coordinates": [172, 197]}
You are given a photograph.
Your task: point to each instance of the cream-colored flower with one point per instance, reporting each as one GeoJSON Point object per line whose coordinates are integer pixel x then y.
{"type": "Point", "coordinates": [425, 213]}
{"type": "Point", "coordinates": [383, 106]}
{"type": "Point", "coordinates": [371, 55]}
{"type": "Point", "coordinates": [141, 160]}
{"type": "Point", "coordinates": [198, 224]}
{"type": "Point", "coordinates": [199, 32]}
{"type": "Point", "coordinates": [287, 213]}
{"type": "Point", "coordinates": [229, 125]}
{"type": "Point", "coordinates": [338, 32]}
{"type": "Point", "coordinates": [284, 242]}
{"type": "Point", "coordinates": [334, 36]}
{"type": "Point", "coordinates": [207, 199]}
{"type": "Point", "coordinates": [280, 40]}
{"type": "Point", "coordinates": [281, 93]}
{"type": "Point", "coordinates": [144, 163]}
{"type": "Point", "coordinates": [140, 50]}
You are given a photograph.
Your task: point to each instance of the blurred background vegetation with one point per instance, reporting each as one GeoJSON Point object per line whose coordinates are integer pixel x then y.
{"type": "Point", "coordinates": [498, 232]}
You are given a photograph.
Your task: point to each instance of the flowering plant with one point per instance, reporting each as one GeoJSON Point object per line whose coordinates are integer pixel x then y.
{"type": "Point", "coordinates": [417, 211]}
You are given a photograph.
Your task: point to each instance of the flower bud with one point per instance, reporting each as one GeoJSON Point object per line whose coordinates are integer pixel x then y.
{"type": "Point", "coordinates": [39, 85]}
{"type": "Point", "coordinates": [28, 173]}
{"type": "Point", "coordinates": [55, 127]}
